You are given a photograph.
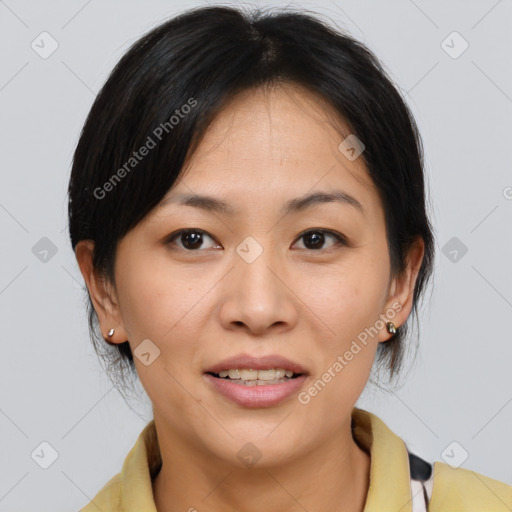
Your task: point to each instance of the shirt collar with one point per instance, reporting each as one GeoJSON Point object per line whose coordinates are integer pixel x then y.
{"type": "Point", "coordinates": [389, 466]}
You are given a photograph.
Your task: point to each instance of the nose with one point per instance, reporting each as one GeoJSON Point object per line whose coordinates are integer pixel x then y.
{"type": "Point", "coordinates": [258, 296]}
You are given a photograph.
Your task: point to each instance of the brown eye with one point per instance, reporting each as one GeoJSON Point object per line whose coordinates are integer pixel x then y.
{"type": "Point", "coordinates": [315, 238]}
{"type": "Point", "coordinates": [190, 239]}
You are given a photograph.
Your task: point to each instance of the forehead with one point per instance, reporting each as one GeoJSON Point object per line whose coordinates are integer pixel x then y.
{"type": "Point", "coordinates": [277, 143]}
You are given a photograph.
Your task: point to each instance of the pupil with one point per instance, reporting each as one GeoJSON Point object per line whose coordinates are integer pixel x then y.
{"type": "Point", "coordinates": [196, 239]}
{"type": "Point", "coordinates": [317, 237]}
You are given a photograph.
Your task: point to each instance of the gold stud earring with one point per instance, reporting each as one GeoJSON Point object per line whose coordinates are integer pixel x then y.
{"type": "Point", "coordinates": [390, 326]}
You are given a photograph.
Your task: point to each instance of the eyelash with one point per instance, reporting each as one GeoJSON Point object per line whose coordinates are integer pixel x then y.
{"type": "Point", "coordinates": [338, 236]}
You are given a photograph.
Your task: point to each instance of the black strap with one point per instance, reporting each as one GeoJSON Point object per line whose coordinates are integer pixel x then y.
{"type": "Point", "coordinates": [420, 469]}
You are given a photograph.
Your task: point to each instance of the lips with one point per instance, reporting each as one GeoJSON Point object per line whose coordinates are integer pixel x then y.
{"type": "Point", "coordinates": [264, 394]}
{"type": "Point", "coordinates": [246, 361]}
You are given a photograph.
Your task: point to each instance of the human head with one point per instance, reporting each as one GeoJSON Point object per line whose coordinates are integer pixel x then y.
{"type": "Point", "coordinates": [176, 80]}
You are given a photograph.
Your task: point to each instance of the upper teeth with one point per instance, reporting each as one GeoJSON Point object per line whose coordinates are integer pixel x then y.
{"type": "Point", "coordinates": [275, 373]}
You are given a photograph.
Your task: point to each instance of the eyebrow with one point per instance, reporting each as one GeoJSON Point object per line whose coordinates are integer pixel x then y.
{"type": "Point", "coordinates": [298, 204]}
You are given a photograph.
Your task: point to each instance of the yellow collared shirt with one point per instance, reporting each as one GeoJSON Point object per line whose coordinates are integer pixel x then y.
{"type": "Point", "coordinates": [454, 490]}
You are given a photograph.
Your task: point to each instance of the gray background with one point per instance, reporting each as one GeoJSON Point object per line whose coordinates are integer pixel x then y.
{"type": "Point", "coordinates": [51, 386]}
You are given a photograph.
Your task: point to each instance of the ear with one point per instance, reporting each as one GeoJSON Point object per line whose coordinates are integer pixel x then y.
{"type": "Point", "coordinates": [401, 290]}
{"type": "Point", "coordinates": [102, 294]}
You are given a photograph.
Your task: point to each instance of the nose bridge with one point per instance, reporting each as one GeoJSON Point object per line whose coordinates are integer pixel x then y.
{"type": "Point", "coordinates": [257, 266]}
{"type": "Point", "coordinates": [256, 295]}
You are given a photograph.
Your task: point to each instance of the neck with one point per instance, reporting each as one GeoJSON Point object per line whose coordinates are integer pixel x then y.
{"type": "Point", "coordinates": [333, 476]}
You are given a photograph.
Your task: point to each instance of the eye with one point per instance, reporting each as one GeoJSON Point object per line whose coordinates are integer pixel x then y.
{"type": "Point", "coordinates": [191, 239]}
{"type": "Point", "coordinates": [315, 238]}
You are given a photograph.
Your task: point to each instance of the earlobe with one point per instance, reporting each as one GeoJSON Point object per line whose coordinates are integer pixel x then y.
{"type": "Point", "coordinates": [401, 297]}
{"type": "Point", "coordinates": [101, 293]}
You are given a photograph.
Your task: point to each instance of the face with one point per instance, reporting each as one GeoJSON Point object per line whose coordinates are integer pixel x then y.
{"type": "Point", "coordinates": [311, 284]}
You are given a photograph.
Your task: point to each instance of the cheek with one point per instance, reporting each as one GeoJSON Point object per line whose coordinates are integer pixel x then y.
{"type": "Point", "coordinates": [154, 299]}
{"type": "Point", "coordinates": [349, 301]}
{"type": "Point", "coordinates": [350, 296]}
{"type": "Point", "coordinates": [160, 304]}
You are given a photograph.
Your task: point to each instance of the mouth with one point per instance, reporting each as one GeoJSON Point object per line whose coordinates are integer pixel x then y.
{"type": "Point", "coordinates": [256, 381]}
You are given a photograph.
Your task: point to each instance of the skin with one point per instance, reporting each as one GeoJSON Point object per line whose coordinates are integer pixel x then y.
{"type": "Point", "coordinates": [202, 305]}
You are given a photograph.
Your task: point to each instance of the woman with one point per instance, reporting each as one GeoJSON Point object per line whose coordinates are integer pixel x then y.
{"type": "Point", "coordinates": [247, 209]}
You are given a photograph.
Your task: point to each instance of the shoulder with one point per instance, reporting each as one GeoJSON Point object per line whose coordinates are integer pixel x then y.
{"type": "Point", "coordinates": [108, 498]}
{"type": "Point", "coordinates": [131, 488]}
{"type": "Point", "coordinates": [463, 489]}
